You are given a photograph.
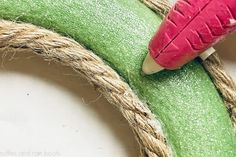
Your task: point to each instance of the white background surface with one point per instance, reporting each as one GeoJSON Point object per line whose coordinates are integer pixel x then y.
{"type": "Point", "coordinates": [48, 109]}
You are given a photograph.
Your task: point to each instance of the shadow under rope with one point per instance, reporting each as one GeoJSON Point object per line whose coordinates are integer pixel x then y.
{"type": "Point", "coordinates": [64, 77]}
{"type": "Point", "coordinates": [227, 48]}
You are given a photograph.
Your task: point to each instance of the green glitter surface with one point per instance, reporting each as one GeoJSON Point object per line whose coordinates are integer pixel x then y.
{"type": "Point", "coordinates": [193, 115]}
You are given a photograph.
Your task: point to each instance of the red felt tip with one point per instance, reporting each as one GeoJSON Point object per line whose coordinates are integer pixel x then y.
{"type": "Point", "coordinates": [191, 27]}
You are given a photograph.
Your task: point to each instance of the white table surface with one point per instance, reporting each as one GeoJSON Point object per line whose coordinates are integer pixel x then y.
{"type": "Point", "coordinates": [48, 109]}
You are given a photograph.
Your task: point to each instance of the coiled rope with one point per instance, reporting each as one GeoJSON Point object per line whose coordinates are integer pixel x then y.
{"type": "Point", "coordinates": [213, 64]}
{"type": "Point", "coordinates": [51, 46]}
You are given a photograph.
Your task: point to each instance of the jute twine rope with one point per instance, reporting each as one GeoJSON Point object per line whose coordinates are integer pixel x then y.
{"type": "Point", "coordinates": [223, 82]}
{"type": "Point", "coordinates": [21, 37]}
{"type": "Point", "coordinates": [51, 46]}
{"type": "Point", "coordinates": [159, 6]}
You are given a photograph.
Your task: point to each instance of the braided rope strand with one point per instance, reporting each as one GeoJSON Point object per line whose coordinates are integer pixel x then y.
{"type": "Point", "coordinates": [213, 64]}
{"type": "Point", "coordinates": [51, 46]}
{"type": "Point", "coordinates": [161, 7]}
{"type": "Point", "coordinates": [224, 84]}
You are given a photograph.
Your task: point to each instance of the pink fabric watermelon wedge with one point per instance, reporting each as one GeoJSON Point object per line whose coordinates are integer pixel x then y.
{"type": "Point", "coordinates": [191, 27]}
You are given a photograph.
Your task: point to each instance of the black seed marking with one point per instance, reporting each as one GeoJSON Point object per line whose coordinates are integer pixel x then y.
{"type": "Point", "coordinates": [191, 44]}
{"type": "Point", "coordinates": [221, 22]}
{"type": "Point", "coordinates": [178, 10]}
{"type": "Point", "coordinates": [201, 37]}
{"type": "Point", "coordinates": [186, 2]}
{"type": "Point", "coordinates": [211, 30]}
{"type": "Point", "coordinates": [171, 21]}
{"type": "Point", "coordinates": [231, 11]}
